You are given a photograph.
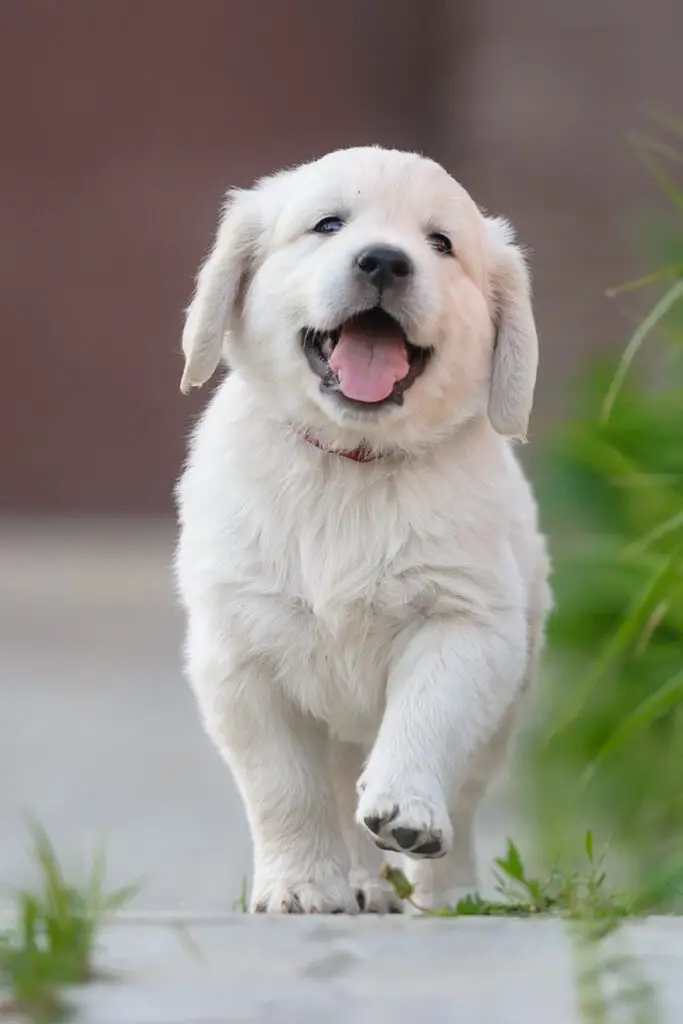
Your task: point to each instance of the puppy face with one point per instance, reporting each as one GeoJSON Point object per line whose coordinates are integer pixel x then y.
{"type": "Point", "coordinates": [365, 292]}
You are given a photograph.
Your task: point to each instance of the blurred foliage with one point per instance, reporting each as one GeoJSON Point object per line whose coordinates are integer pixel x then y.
{"type": "Point", "coordinates": [607, 744]}
{"type": "Point", "coordinates": [51, 945]}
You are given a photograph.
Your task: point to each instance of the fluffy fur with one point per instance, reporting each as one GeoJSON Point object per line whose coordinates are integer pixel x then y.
{"type": "Point", "coordinates": [360, 635]}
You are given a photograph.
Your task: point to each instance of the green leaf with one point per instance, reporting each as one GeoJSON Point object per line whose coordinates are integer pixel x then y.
{"type": "Point", "coordinates": [657, 313]}
{"type": "Point", "coordinates": [670, 525]}
{"type": "Point", "coordinates": [672, 124]}
{"type": "Point", "coordinates": [627, 632]}
{"type": "Point", "coordinates": [671, 270]}
{"type": "Point", "coordinates": [97, 876]}
{"type": "Point", "coordinates": [512, 864]}
{"type": "Point", "coordinates": [652, 708]}
{"type": "Point", "coordinates": [644, 142]}
{"type": "Point", "coordinates": [119, 898]}
{"type": "Point", "coordinates": [55, 889]}
{"type": "Point", "coordinates": [29, 914]}
{"type": "Point", "coordinates": [665, 182]}
{"type": "Point", "coordinates": [402, 887]}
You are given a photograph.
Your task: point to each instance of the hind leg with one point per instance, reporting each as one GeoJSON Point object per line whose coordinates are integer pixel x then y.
{"type": "Point", "coordinates": [373, 893]}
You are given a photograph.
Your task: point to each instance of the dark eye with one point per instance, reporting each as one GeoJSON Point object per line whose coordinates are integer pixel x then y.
{"type": "Point", "coordinates": [441, 243]}
{"type": "Point", "coordinates": [329, 226]}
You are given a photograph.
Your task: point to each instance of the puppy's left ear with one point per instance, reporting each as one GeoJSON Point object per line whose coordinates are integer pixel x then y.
{"type": "Point", "coordinates": [219, 289]}
{"type": "Point", "coordinates": [515, 353]}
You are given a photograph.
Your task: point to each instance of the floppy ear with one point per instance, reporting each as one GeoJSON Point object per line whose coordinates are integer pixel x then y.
{"type": "Point", "coordinates": [220, 282]}
{"type": "Point", "coordinates": [515, 353]}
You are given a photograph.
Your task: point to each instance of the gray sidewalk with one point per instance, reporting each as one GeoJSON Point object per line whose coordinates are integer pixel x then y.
{"type": "Point", "coordinates": [307, 970]}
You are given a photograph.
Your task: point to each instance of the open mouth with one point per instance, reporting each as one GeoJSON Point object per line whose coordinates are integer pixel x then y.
{"type": "Point", "coordinates": [367, 360]}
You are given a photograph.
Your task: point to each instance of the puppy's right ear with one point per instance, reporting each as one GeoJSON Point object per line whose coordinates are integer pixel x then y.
{"type": "Point", "coordinates": [219, 287]}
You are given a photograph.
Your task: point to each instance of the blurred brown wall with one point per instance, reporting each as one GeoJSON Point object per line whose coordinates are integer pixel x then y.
{"type": "Point", "coordinates": [122, 121]}
{"type": "Point", "coordinates": [553, 90]}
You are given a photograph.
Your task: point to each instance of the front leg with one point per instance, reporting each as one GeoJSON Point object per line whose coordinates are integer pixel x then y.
{"type": "Point", "coordinates": [373, 893]}
{"type": "Point", "coordinates": [448, 690]}
{"type": "Point", "coordinates": [279, 760]}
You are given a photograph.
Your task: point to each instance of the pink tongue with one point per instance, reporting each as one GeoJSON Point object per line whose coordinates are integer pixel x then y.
{"type": "Point", "coordinates": [368, 364]}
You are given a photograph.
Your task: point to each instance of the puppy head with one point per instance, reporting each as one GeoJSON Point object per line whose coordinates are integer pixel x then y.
{"type": "Point", "coordinates": [366, 293]}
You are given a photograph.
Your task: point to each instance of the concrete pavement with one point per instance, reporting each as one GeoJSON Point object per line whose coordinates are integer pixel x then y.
{"type": "Point", "coordinates": [307, 970]}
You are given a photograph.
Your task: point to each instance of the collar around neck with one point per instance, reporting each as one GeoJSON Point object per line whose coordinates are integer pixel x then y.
{"type": "Point", "coordinates": [360, 454]}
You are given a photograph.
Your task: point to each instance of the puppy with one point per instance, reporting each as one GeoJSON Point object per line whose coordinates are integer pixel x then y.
{"type": "Point", "coordinates": [359, 560]}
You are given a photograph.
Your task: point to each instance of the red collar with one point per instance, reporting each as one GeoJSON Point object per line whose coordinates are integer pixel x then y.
{"type": "Point", "coordinates": [360, 454]}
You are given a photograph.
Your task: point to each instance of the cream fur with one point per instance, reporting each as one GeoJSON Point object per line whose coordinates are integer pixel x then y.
{"type": "Point", "coordinates": [360, 628]}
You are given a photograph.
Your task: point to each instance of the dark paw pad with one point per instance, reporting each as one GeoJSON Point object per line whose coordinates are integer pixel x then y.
{"type": "Point", "coordinates": [431, 849]}
{"type": "Point", "coordinates": [405, 837]}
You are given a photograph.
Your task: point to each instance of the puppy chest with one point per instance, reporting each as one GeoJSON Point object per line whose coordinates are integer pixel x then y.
{"type": "Point", "coordinates": [331, 609]}
{"type": "Point", "coordinates": [334, 663]}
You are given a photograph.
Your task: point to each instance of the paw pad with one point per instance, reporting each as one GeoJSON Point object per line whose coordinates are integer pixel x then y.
{"type": "Point", "coordinates": [416, 828]}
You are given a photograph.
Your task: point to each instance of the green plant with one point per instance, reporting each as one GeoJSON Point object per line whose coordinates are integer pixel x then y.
{"type": "Point", "coordinates": [242, 901]}
{"type": "Point", "coordinates": [605, 747]}
{"type": "Point", "coordinates": [52, 943]}
{"type": "Point", "coordinates": [607, 740]}
{"type": "Point", "coordinates": [579, 893]}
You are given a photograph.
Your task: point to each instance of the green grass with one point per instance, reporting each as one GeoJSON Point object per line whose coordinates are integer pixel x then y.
{"type": "Point", "coordinates": [242, 902]}
{"type": "Point", "coordinates": [576, 894]}
{"type": "Point", "coordinates": [605, 746]}
{"type": "Point", "coordinates": [52, 943]}
{"type": "Point", "coordinates": [608, 732]}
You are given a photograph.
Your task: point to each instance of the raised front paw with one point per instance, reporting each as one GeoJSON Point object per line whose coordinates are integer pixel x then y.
{"type": "Point", "coordinates": [401, 822]}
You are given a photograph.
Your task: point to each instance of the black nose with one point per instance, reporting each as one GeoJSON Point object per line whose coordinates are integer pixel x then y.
{"type": "Point", "coordinates": [383, 265]}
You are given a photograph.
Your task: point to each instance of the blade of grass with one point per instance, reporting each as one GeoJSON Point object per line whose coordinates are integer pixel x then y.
{"type": "Point", "coordinates": [672, 124]}
{"type": "Point", "coordinates": [660, 148]}
{"type": "Point", "coordinates": [56, 891]}
{"type": "Point", "coordinates": [665, 182]}
{"type": "Point", "coordinates": [658, 311]}
{"type": "Point", "coordinates": [119, 898]}
{"type": "Point", "coordinates": [96, 880]}
{"type": "Point", "coordinates": [627, 632]}
{"type": "Point", "coordinates": [653, 707]}
{"type": "Point", "coordinates": [672, 270]}
{"type": "Point", "coordinates": [669, 525]}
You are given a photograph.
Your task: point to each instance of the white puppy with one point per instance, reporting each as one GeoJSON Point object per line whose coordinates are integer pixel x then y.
{"type": "Point", "coordinates": [359, 559]}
